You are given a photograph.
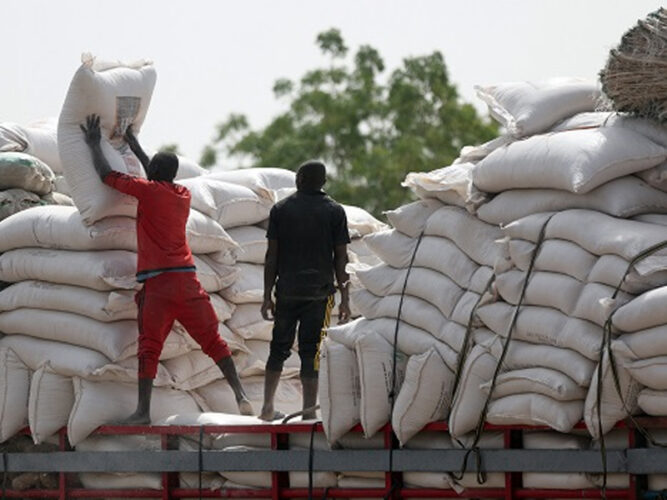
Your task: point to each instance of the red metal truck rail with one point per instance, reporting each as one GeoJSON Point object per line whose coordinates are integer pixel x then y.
{"type": "Point", "coordinates": [636, 460]}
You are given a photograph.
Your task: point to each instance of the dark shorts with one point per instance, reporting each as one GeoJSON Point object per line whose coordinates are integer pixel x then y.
{"type": "Point", "coordinates": [313, 318]}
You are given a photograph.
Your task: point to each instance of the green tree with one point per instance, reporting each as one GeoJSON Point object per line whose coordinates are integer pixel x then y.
{"type": "Point", "coordinates": [370, 133]}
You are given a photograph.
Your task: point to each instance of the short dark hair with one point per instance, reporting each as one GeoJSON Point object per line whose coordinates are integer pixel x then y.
{"type": "Point", "coordinates": [163, 167]}
{"type": "Point", "coordinates": [313, 174]}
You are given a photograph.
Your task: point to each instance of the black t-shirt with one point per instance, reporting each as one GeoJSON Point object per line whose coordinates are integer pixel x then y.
{"type": "Point", "coordinates": [308, 226]}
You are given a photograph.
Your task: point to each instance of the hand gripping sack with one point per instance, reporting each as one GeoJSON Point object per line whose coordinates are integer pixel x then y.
{"type": "Point", "coordinates": [120, 94]}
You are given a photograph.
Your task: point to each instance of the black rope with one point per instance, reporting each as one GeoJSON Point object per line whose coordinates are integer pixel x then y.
{"type": "Point", "coordinates": [463, 353]}
{"type": "Point", "coordinates": [325, 493]}
{"type": "Point", "coordinates": [392, 391]}
{"type": "Point", "coordinates": [200, 459]}
{"type": "Point", "coordinates": [481, 474]}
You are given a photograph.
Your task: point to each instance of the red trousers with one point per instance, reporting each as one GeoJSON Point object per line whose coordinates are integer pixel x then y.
{"type": "Point", "coordinates": [174, 296]}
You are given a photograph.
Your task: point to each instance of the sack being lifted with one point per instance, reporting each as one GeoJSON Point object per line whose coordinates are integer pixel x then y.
{"type": "Point", "coordinates": [120, 94]}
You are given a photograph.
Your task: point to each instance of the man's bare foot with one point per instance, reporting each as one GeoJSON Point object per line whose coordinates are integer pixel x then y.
{"type": "Point", "coordinates": [269, 414]}
{"type": "Point", "coordinates": [245, 408]}
{"type": "Point", "coordinates": [134, 419]}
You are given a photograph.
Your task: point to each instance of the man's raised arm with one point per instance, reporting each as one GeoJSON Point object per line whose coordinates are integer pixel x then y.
{"type": "Point", "coordinates": [133, 142]}
{"type": "Point", "coordinates": [93, 135]}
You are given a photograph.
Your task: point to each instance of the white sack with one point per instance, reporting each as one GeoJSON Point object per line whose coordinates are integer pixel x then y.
{"type": "Point", "coordinates": [429, 285]}
{"type": "Point", "coordinates": [116, 340]}
{"type": "Point", "coordinates": [102, 306]}
{"type": "Point", "coordinates": [614, 406]}
{"type": "Point", "coordinates": [261, 180]}
{"type": "Point", "coordinates": [98, 403]}
{"type": "Point", "coordinates": [360, 222]}
{"type": "Point", "coordinates": [452, 185]}
{"type": "Point", "coordinates": [643, 312]}
{"type": "Point", "coordinates": [14, 394]}
{"type": "Point", "coordinates": [642, 344]}
{"type": "Point", "coordinates": [650, 372]}
{"type": "Point", "coordinates": [64, 359]}
{"type": "Point", "coordinates": [425, 395]}
{"type": "Point", "coordinates": [248, 287]}
{"type": "Point", "coordinates": [438, 254]}
{"type": "Point", "coordinates": [623, 197]}
{"type": "Point", "coordinates": [535, 409]}
{"type": "Point", "coordinates": [653, 402]}
{"type": "Point", "coordinates": [576, 161]}
{"type": "Point", "coordinates": [120, 94]}
{"type": "Point", "coordinates": [597, 233]}
{"type": "Point", "coordinates": [548, 382]}
{"type": "Point", "coordinates": [231, 205]}
{"type": "Point", "coordinates": [473, 236]}
{"type": "Point", "coordinates": [554, 441]}
{"type": "Point", "coordinates": [380, 371]}
{"type": "Point", "coordinates": [526, 108]}
{"type": "Point", "coordinates": [247, 322]}
{"type": "Point", "coordinates": [252, 243]}
{"type": "Point", "coordinates": [411, 219]}
{"type": "Point", "coordinates": [411, 340]}
{"type": "Point", "coordinates": [339, 391]}
{"type": "Point", "coordinates": [469, 399]}
{"type": "Point", "coordinates": [50, 403]}
{"type": "Point", "coordinates": [101, 270]}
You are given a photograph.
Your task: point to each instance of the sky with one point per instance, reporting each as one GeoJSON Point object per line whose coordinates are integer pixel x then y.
{"type": "Point", "coordinates": [215, 57]}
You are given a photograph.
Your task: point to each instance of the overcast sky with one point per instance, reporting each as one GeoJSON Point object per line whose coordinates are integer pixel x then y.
{"type": "Point", "coordinates": [214, 57]}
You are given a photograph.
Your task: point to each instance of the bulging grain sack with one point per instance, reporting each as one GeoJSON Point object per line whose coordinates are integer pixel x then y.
{"type": "Point", "coordinates": [50, 403]}
{"type": "Point", "coordinates": [247, 322]}
{"type": "Point", "coordinates": [436, 253]}
{"type": "Point", "coordinates": [262, 181]}
{"type": "Point", "coordinates": [99, 270]}
{"type": "Point", "coordinates": [576, 161]}
{"type": "Point", "coordinates": [120, 94]}
{"type": "Point", "coordinates": [231, 205]}
{"type": "Point", "coordinates": [526, 108]}
{"type": "Point", "coordinates": [98, 403]}
{"type": "Point", "coordinates": [252, 243]}
{"type": "Point", "coordinates": [535, 409]}
{"type": "Point", "coordinates": [427, 284]}
{"type": "Point", "coordinates": [643, 312]}
{"type": "Point", "coordinates": [644, 343]}
{"type": "Point", "coordinates": [650, 372]}
{"type": "Point", "coordinates": [548, 382]}
{"type": "Point", "coordinates": [473, 236]}
{"type": "Point", "coordinates": [102, 306]}
{"type": "Point", "coordinates": [469, 398]}
{"type": "Point", "coordinates": [339, 391]}
{"type": "Point", "coordinates": [381, 372]}
{"type": "Point", "coordinates": [451, 185]}
{"type": "Point", "coordinates": [64, 359]}
{"type": "Point", "coordinates": [116, 340]}
{"type": "Point", "coordinates": [14, 393]}
{"type": "Point", "coordinates": [23, 171]}
{"type": "Point", "coordinates": [248, 287]}
{"type": "Point", "coordinates": [410, 219]}
{"type": "Point", "coordinates": [360, 222]}
{"type": "Point", "coordinates": [425, 395]}
{"type": "Point", "coordinates": [258, 353]}
{"type": "Point", "coordinates": [614, 406]}
{"type": "Point", "coordinates": [653, 402]}
{"type": "Point", "coordinates": [623, 197]}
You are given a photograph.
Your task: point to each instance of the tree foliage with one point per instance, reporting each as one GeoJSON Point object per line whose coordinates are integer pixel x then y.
{"type": "Point", "coordinates": [370, 131]}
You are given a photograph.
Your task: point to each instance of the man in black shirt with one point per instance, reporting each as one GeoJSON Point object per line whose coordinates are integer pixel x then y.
{"type": "Point", "coordinates": [307, 245]}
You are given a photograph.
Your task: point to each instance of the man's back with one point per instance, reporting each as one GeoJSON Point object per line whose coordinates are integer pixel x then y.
{"type": "Point", "coordinates": [162, 214]}
{"type": "Point", "coordinates": [307, 225]}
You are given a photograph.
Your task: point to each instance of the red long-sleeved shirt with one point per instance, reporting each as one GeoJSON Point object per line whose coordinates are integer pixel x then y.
{"type": "Point", "coordinates": [162, 214]}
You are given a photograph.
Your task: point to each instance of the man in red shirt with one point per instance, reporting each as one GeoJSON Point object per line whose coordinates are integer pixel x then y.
{"type": "Point", "coordinates": [166, 267]}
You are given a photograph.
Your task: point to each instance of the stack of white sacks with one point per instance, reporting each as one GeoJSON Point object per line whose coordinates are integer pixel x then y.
{"type": "Point", "coordinates": [590, 188]}
{"type": "Point", "coordinates": [27, 167]}
{"type": "Point", "coordinates": [68, 353]}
